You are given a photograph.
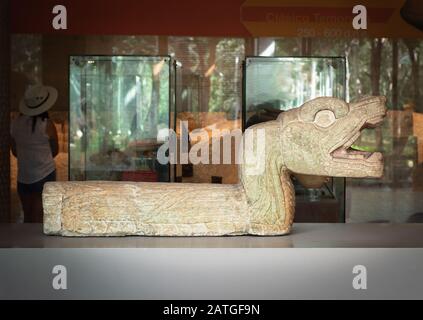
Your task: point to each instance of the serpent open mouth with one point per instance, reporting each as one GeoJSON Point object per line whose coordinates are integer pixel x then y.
{"type": "Point", "coordinates": [348, 152]}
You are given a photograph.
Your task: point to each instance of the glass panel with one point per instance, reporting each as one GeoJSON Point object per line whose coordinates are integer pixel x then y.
{"type": "Point", "coordinates": [379, 66]}
{"type": "Point", "coordinates": [286, 83]}
{"type": "Point", "coordinates": [277, 84]}
{"type": "Point", "coordinates": [208, 100]}
{"type": "Point", "coordinates": [119, 117]}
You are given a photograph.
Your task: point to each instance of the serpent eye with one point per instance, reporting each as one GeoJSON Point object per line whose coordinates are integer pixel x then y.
{"type": "Point", "coordinates": [324, 118]}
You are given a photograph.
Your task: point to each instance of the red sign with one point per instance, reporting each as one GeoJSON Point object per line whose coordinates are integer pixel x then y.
{"type": "Point", "coordinates": [132, 17]}
{"type": "Point", "coordinates": [220, 18]}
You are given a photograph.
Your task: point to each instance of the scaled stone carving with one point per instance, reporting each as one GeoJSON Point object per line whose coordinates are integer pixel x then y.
{"type": "Point", "coordinates": [312, 140]}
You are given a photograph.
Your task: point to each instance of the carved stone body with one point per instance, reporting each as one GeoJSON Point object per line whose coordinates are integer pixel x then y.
{"type": "Point", "coordinates": [313, 139]}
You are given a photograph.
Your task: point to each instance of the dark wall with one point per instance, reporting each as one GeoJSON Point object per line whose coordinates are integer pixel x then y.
{"type": "Point", "coordinates": [4, 111]}
{"type": "Point", "coordinates": [55, 64]}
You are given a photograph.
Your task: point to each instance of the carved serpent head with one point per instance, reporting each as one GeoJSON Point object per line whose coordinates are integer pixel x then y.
{"type": "Point", "coordinates": [316, 138]}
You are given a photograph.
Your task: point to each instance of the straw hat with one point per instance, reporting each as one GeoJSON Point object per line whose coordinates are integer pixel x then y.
{"type": "Point", "coordinates": [37, 100]}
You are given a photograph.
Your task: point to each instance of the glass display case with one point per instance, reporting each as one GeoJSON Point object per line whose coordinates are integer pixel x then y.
{"type": "Point", "coordinates": [275, 84]}
{"type": "Point", "coordinates": [120, 114]}
{"type": "Point", "coordinates": [196, 111]}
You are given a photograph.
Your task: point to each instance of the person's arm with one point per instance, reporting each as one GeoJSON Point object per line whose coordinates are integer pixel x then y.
{"type": "Point", "coordinates": [12, 139]}
{"type": "Point", "coordinates": [13, 147]}
{"type": "Point", "coordinates": [53, 138]}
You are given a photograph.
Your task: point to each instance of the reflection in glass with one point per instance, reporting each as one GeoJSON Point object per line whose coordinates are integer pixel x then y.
{"type": "Point", "coordinates": [277, 84]}
{"type": "Point", "coordinates": [119, 117]}
{"type": "Point", "coordinates": [208, 94]}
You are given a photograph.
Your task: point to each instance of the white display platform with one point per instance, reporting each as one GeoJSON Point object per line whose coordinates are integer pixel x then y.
{"type": "Point", "coordinates": [317, 261]}
{"type": "Point", "coordinates": [304, 235]}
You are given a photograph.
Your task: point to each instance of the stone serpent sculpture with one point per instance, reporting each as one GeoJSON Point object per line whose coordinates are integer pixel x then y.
{"type": "Point", "coordinates": [314, 139]}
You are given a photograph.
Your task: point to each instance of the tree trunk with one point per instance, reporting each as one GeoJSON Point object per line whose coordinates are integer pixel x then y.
{"type": "Point", "coordinates": [375, 63]}
{"type": "Point", "coordinates": [415, 62]}
{"type": "Point", "coordinates": [154, 106]}
{"type": "Point", "coordinates": [206, 80]}
{"type": "Point", "coordinates": [398, 142]}
{"type": "Point", "coordinates": [306, 46]}
{"type": "Point", "coordinates": [395, 74]}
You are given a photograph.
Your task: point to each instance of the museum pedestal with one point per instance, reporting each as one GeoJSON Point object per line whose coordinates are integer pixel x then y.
{"type": "Point", "coordinates": [304, 235]}
{"type": "Point", "coordinates": [316, 261]}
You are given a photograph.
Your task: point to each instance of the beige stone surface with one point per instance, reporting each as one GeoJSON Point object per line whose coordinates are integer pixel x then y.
{"type": "Point", "coordinates": [313, 140]}
{"type": "Point", "coordinates": [144, 208]}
